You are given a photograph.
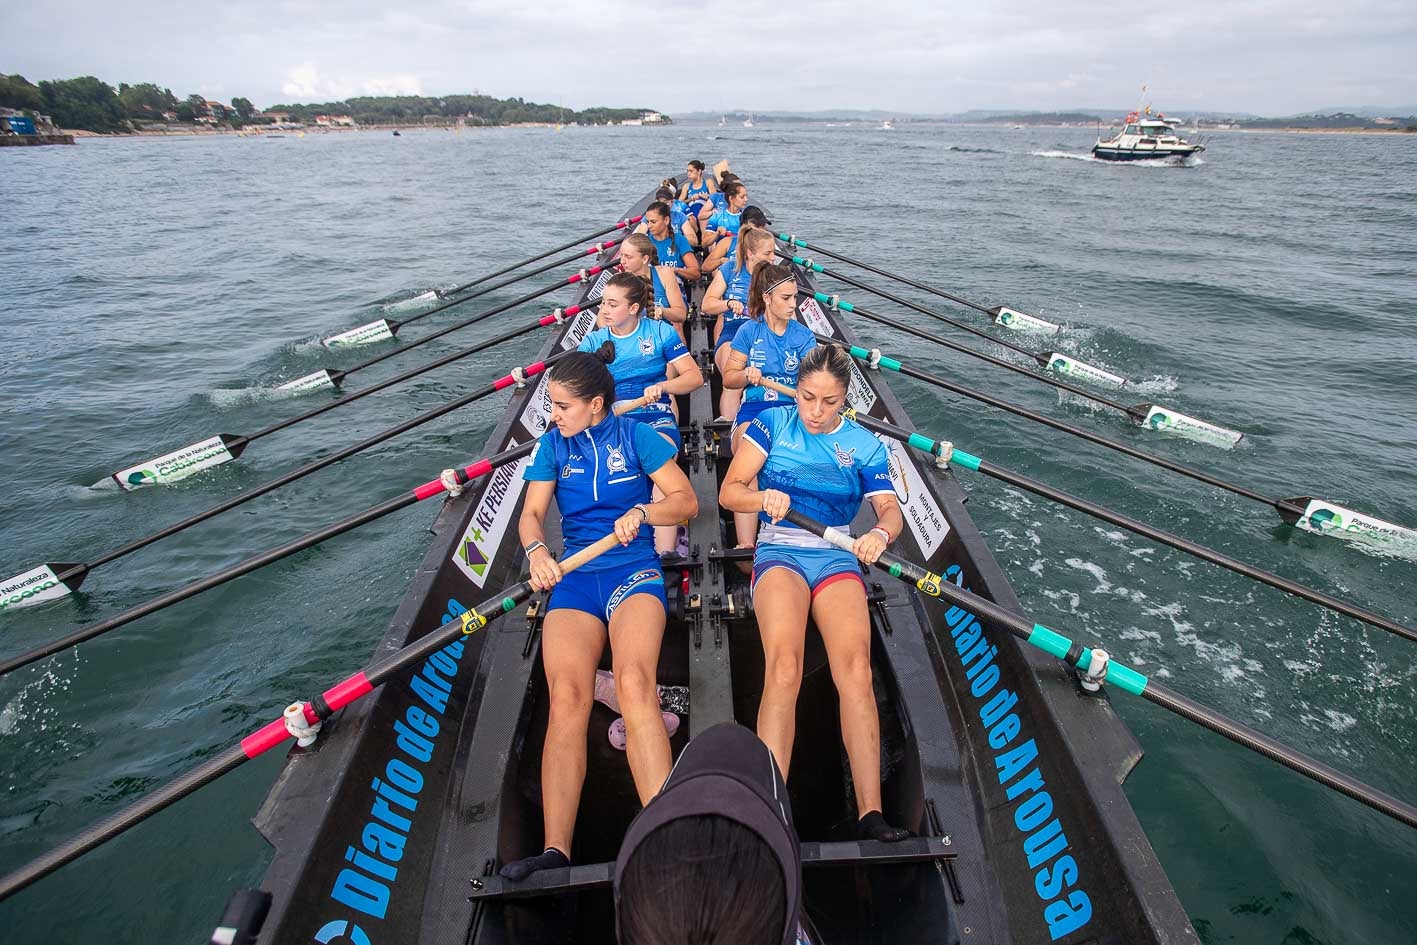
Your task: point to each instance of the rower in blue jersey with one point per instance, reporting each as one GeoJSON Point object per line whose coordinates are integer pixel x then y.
{"type": "Point", "coordinates": [808, 457]}
{"type": "Point", "coordinates": [639, 257]}
{"type": "Point", "coordinates": [599, 467]}
{"type": "Point", "coordinates": [771, 344]}
{"type": "Point", "coordinates": [698, 189]}
{"type": "Point", "coordinates": [724, 250]}
{"type": "Point", "coordinates": [681, 218]}
{"type": "Point", "coordinates": [722, 224]}
{"type": "Point", "coordinates": [672, 248]}
{"type": "Point", "coordinates": [727, 297]}
{"type": "Point", "coordinates": [718, 200]}
{"type": "Point", "coordinates": [650, 362]}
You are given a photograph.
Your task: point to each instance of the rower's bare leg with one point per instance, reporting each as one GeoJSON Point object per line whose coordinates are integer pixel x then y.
{"type": "Point", "coordinates": [745, 524]}
{"type": "Point", "coordinates": [839, 610]}
{"type": "Point", "coordinates": [636, 629]}
{"type": "Point", "coordinates": [665, 536]}
{"type": "Point", "coordinates": [730, 398]}
{"type": "Point", "coordinates": [781, 600]}
{"type": "Point", "coordinates": [572, 643]}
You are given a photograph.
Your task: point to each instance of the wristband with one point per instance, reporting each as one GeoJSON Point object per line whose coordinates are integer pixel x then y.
{"type": "Point", "coordinates": [643, 512]}
{"type": "Point", "coordinates": [884, 534]}
{"type": "Point", "coordinates": [532, 547]}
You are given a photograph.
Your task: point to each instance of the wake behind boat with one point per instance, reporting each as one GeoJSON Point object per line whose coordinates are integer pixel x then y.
{"type": "Point", "coordinates": [1145, 137]}
{"type": "Point", "coordinates": [1029, 838]}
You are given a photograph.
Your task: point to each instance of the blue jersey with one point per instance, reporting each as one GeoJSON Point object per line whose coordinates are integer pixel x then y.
{"type": "Point", "coordinates": [700, 188]}
{"type": "Point", "coordinates": [735, 285]}
{"type": "Point", "coordinates": [671, 249]}
{"type": "Point", "coordinates": [826, 475]}
{"type": "Point", "coordinates": [777, 356]}
{"type": "Point", "coordinates": [641, 357]}
{"type": "Point", "coordinates": [725, 220]}
{"type": "Point", "coordinates": [600, 473]}
{"type": "Point", "coordinates": [678, 215]}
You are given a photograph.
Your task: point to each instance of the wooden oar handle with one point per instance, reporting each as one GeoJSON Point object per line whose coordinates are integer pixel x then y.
{"type": "Point", "coordinates": [625, 406]}
{"type": "Point", "coordinates": [771, 384]}
{"type": "Point", "coordinates": [589, 553]}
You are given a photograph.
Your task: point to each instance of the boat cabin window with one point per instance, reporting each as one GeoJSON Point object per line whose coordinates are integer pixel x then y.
{"type": "Point", "coordinates": [1131, 130]}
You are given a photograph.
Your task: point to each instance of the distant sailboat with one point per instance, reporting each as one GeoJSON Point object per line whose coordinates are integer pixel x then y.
{"type": "Point", "coordinates": [722, 120]}
{"type": "Point", "coordinates": [887, 125]}
{"type": "Point", "coordinates": [748, 122]}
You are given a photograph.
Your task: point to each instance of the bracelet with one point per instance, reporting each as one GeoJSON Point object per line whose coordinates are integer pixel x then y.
{"type": "Point", "coordinates": [884, 534]}
{"type": "Point", "coordinates": [643, 511]}
{"type": "Point", "coordinates": [532, 547]}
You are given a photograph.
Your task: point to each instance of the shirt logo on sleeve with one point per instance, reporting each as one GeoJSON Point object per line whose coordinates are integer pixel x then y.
{"type": "Point", "coordinates": [844, 458]}
{"type": "Point", "coordinates": [615, 461]}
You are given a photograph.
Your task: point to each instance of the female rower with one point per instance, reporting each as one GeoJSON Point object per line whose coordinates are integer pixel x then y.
{"type": "Point", "coordinates": [639, 257]}
{"type": "Point", "coordinates": [771, 344]}
{"type": "Point", "coordinates": [724, 250]}
{"type": "Point", "coordinates": [808, 457]}
{"type": "Point", "coordinates": [727, 297]}
{"type": "Point", "coordinates": [645, 352]}
{"type": "Point", "coordinates": [672, 248]}
{"type": "Point", "coordinates": [600, 468]}
{"type": "Point", "coordinates": [724, 223]}
{"type": "Point", "coordinates": [681, 219]}
{"type": "Point", "coordinates": [697, 190]}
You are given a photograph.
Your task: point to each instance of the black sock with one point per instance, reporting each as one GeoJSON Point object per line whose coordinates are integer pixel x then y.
{"type": "Point", "coordinates": [874, 827]}
{"type": "Point", "coordinates": [518, 870]}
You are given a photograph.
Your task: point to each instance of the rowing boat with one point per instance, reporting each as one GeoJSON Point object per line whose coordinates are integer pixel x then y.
{"type": "Point", "coordinates": [391, 826]}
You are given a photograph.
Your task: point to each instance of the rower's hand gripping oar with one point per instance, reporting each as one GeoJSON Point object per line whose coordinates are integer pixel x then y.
{"type": "Point", "coordinates": [1315, 515]}
{"type": "Point", "coordinates": [385, 328]}
{"type": "Point", "coordinates": [224, 447]}
{"type": "Point", "coordinates": [1001, 314]}
{"type": "Point", "coordinates": [1148, 416]}
{"type": "Point", "coordinates": [54, 580]}
{"type": "Point", "coordinates": [1099, 667]}
{"type": "Point", "coordinates": [301, 720]}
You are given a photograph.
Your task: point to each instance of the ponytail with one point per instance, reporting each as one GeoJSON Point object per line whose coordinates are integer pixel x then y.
{"type": "Point", "coordinates": [748, 241]}
{"type": "Point", "coordinates": [585, 375]}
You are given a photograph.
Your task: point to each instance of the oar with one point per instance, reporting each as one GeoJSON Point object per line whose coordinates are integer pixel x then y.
{"type": "Point", "coordinates": [300, 720]}
{"type": "Point", "coordinates": [224, 447]}
{"type": "Point", "coordinates": [1001, 314]}
{"type": "Point", "coordinates": [1097, 664]}
{"type": "Point", "coordinates": [1149, 416]}
{"type": "Point", "coordinates": [1316, 515]}
{"type": "Point", "coordinates": [385, 328]}
{"type": "Point", "coordinates": [59, 579]}
{"type": "Point", "coordinates": [623, 224]}
{"type": "Point", "coordinates": [946, 452]}
{"type": "Point", "coordinates": [1054, 361]}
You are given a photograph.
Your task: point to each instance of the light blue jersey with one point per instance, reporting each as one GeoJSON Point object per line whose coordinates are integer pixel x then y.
{"type": "Point", "coordinates": [735, 284]}
{"type": "Point", "coordinates": [777, 356]}
{"type": "Point", "coordinates": [671, 249]}
{"type": "Point", "coordinates": [725, 220]}
{"type": "Point", "coordinates": [641, 357]}
{"type": "Point", "coordinates": [826, 475]}
{"type": "Point", "coordinates": [600, 473]}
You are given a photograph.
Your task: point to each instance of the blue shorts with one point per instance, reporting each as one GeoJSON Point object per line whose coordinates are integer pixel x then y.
{"type": "Point", "coordinates": [660, 421]}
{"type": "Point", "coordinates": [818, 567]}
{"type": "Point", "coordinates": [748, 410]}
{"type": "Point", "coordinates": [730, 328]}
{"type": "Point", "coordinates": [598, 593]}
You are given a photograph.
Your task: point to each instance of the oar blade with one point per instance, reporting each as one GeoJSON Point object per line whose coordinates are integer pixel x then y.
{"type": "Point", "coordinates": [1020, 321]}
{"type": "Point", "coordinates": [319, 380]}
{"type": "Point", "coordinates": [1167, 420]}
{"type": "Point", "coordinates": [38, 585]}
{"type": "Point", "coordinates": [1323, 517]}
{"type": "Point", "coordinates": [1082, 371]}
{"type": "Point", "coordinates": [179, 464]}
{"type": "Point", "coordinates": [379, 330]}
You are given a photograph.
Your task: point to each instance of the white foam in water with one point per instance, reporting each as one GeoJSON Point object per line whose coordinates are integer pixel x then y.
{"type": "Point", "coordinates": [427, 297]}
{"type": "Point", "coordinates": [241, 396]}
{"type": "Point", "coordinates": [1156, 384]}
{"type": "Point", "coordinates": [29, 711]}
{"type": "Point", "coordinates": [1151, 162]}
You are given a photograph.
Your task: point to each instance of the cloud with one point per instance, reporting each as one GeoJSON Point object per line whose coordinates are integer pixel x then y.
{"type": "Point", "coordinates": [305, 83]}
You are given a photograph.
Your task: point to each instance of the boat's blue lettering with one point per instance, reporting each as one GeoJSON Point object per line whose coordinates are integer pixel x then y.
{"type": "Point", "coordinates": [383, 841]}
{"type": "Point", "coordinates": [1044, 840]}
{"type": "Point", "coordinates": [367, 884]}
{"type": "Point", "coordinates": [354, 889]}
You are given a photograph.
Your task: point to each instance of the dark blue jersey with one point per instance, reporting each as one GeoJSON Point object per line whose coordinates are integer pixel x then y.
{"type": "Point", "coordinates": [600, 474]}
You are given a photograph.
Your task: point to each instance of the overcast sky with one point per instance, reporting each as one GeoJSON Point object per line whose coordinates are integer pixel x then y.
{"type": "Point", "coordinates": [1271, 57]}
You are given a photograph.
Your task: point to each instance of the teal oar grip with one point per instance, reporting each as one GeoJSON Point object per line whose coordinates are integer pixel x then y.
{"type": "Point", "coordinates": [967, 460]}
{"type": "Point", "coordinates": [921, 442]}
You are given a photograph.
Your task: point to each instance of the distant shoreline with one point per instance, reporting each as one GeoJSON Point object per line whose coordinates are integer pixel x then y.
{"type": "Point", "coordinates": [258, 132]}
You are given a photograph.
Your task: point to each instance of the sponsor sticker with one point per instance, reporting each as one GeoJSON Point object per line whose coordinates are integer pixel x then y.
{"type": "Point", "coordinates": [176, 465]}
{"type": "Point", "coordinates": [581, 327]}
{"type": "Point", "coordinates": [380, 330]}
{"type": "Point", "coordinates": [1171, 421]}
{"type": "Point", "coordinates": [600, 281]}
{"type": "Point", "coordinates": [1083, 371]}
{"type": "Point", "coordinates": [816, 319]}
{"type": "Point", "coordinates": [536, 418]}
{"type": "Point", "coordinates": [1018, 321]}
{"type": "Point", "coordinates": [32, 587]}
{"type": "Point", "coordinates": [316, 381]}
{"type": "Point", "coordinates": [922, 513]}
{"type": "Point", "coordinates": [860, 394]}
{"type": "Point", "coordinates": [478, 547]}
{"type": "Point", "coordinates": [1325, 518]}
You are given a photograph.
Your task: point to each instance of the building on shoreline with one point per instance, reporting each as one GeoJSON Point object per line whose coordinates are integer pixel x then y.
{"type": "Point", "coordinates": [18, 128]}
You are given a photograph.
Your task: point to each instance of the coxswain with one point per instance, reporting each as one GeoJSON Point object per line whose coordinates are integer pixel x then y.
{"type": "Point", "coordinates": [600, 468]}
{"type": "Point", "coordinates": [806, 456]}
{"type": "Point", "coordinates": [697, 189]}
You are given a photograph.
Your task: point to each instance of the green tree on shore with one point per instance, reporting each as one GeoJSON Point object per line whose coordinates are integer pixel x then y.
{"type": "Point", "coordinates": [145, 100]}
{"type": "Point", "coordinates": [18, 92]}
{"type": "Point", "coordinates": [85, 102]}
